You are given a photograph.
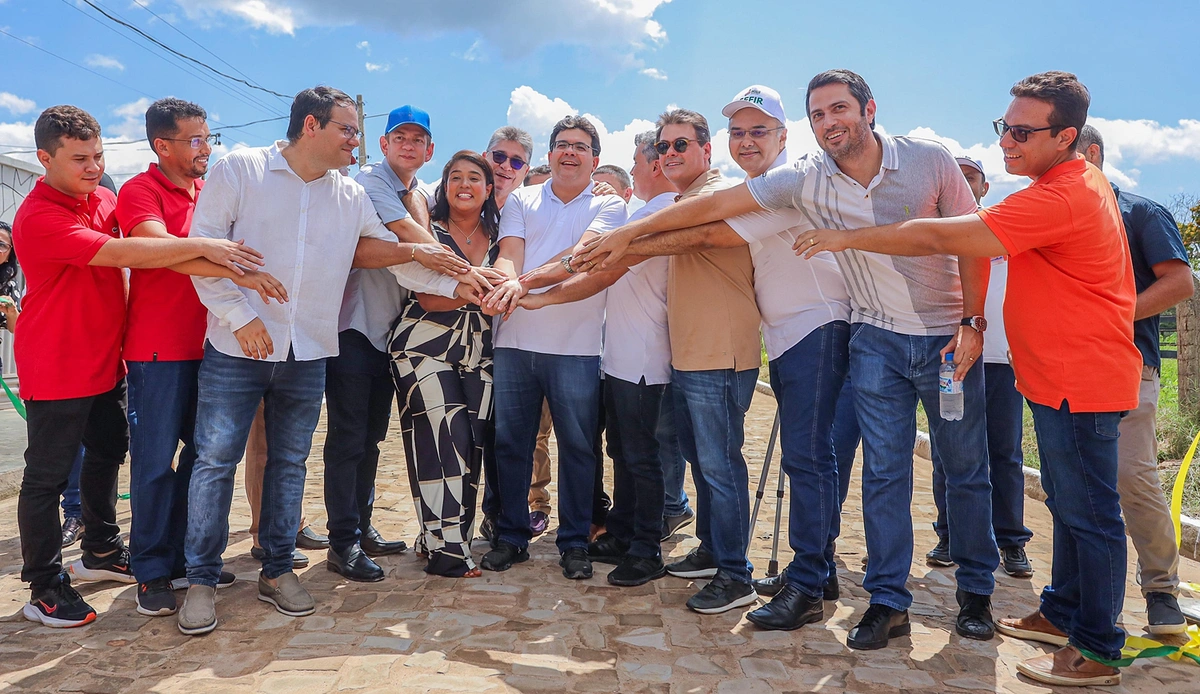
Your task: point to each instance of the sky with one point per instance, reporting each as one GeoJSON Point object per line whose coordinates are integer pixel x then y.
{"type": "Point", "coordinates": [939, 70]}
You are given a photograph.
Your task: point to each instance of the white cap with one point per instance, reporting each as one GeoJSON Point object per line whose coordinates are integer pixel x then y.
{"type": "Point", "coordinates": [964, 160]}
{"type": "Point", "coordinates": [757, 96]}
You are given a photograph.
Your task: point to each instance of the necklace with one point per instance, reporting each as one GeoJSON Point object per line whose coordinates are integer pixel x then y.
{"type": "Point", "coordinates": [460, 229]}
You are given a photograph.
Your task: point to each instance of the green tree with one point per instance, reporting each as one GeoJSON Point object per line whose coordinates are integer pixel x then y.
{"type": "Point", "coordinates": [1186, 209]}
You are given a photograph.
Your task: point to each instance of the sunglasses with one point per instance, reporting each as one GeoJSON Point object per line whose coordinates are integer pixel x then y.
{"type": "Point", "coordinates": [515, 163]}
{"type": "Point", "coordinates": [680, 145]}
{"type": "Point", "coordinates": [1021, 134]}
{"type": "Point", "coordinates": [196, 142]}
{"type": "Point", "coordinates": [754, 133]}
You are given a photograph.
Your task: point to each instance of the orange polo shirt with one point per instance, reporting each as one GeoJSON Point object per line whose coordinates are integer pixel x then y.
{"type": "Point", "coordinates": [1069, 307]}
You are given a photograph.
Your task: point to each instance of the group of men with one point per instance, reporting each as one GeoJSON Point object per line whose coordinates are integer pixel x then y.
{"type": "Point", "coordinates": [654, 319]}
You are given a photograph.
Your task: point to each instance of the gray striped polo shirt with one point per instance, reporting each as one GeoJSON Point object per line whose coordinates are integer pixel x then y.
{"type": "Point", "coordinates": [919, 179]}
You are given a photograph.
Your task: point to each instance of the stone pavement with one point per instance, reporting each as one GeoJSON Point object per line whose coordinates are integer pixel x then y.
{"type": "Point", "coordinates": [529, 629]}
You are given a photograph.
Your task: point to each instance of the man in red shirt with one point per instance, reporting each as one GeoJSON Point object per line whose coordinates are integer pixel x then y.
{"type": "Point", "coordinates": [1074, 357]}
{"type": "Point", "coordinates": [68, 354]}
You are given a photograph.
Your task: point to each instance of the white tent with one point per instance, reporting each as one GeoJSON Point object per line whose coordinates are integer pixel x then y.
{"type": "Point", "coordinates": [16, 180]}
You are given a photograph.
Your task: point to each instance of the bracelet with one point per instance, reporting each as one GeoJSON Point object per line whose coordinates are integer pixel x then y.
{"type": "Point", "coordinates": [414, 255]}
{"type": "Point", "coordinates": [566, 263]}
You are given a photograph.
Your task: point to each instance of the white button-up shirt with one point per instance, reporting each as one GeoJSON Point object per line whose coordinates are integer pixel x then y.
{"type": "Point", "coordinates": [637, 343]}
{"type": "Point", "coordinates": [307, 233]}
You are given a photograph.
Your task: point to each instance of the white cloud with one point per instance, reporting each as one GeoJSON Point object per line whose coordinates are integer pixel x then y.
{"type": "Point", "coordinates": [654, 73]}
{"type": "Point", "coordinates": [106, 62]}
{"type": "Point", "coordinates": [378, 67]}
{"type": "Point", "coordinates": [623, 25]}
{"type": "Point", "coordinates": [475, 52]}
{"type": "Point", "coordinates": [15, 104]}
{"type": "Point", "coordinates": [364, 46]}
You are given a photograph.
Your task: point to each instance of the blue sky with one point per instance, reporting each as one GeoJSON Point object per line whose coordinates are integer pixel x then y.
{"type": "Point", "coordinates": [937, 69]}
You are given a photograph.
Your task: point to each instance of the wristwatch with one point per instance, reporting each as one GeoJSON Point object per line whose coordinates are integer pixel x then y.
{"type": "Point", "coordinates": [566, 263]}
{"type": "Point", "coordinates": [976, 323]}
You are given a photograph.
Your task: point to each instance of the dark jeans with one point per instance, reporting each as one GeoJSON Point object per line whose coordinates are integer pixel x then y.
{"type": "Point", "coordinates": [675, 499]}
{"type": "Point", "coordinates": [358, 403]}
{"type": "Point", "coordinates": [601, 501]}
{"type": "Point", "coordinates": [637, 512]}
{"type": "Point", "coordinates": [710, 411]}
{"type": "Point", "coordinates": [70, 495]}
{"type": "Point", "coordinates": [162, 413]}
{"type": "Point", "coordinates": [1078, 451]}
{"type": "Point", "coordinates": [807, 380]}
{"type": "Point", "coordinates": [56, 430]}
{"type": "Point", "coordinates": [846, 437]}
{"type": "Point", "coordinates": [571, 386]}
{"type": "Point", "coordinates": [230, 389]}
{"type": "Point", "coordinates": [1005, 461]}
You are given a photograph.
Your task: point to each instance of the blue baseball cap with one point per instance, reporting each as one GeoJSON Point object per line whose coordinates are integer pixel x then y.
{"type": "Point", "coordinates": [408, 114]}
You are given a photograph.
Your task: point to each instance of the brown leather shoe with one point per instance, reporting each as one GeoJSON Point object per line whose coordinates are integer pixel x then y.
{"type": "Point", "coordinates": [1067, 667]}
{"type": "Point", "coordinates": [1035, 627]}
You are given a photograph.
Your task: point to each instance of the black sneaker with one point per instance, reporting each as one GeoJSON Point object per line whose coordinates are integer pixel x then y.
{"type": "Point", "coordinates": [59, 606]}
{"type": "Point", "coordinates": [879, 624]}
{"type": "Point", "coordinates": [225, 580]}
{"type": "Point", "coordinates": [699, 563]}
{"type": "Point", "coordinates": [1163, 615]}
{"type": "Point", "coordinates": [575, 564]}
{"type": "Point", "coordinates": [1016, 562]}
{"type": "Point", "coordinates": [940, 555]}
{"type": "Point", "coordinates": [503, 557]}
{"type": "Point", "coordinates": [721, 595]}
{"type": "Point", "coordinates": [487, 530]}
{"type": "Point", "coordinates": [72, 528]}
{"type": "Point", "coordinates": [113, 567]}
{"type": "Point", "coordinates": [155, 598]}
{"type": "Point", "coordinates": [672, 524]}
{"type": "Point", "coordinates": [974, 616]}
{"type": "Point", "coordinates": [635, 571]}
{"type": "Point", "coordinates": [607, 549]}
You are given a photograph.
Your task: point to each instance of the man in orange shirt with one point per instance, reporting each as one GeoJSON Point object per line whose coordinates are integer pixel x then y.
{"type": "Point", "coordinates": [1074, 357]}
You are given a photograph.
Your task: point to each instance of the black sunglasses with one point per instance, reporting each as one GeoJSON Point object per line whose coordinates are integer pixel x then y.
{"type": "Point", "coordinates": [680, 145]}
{"type": "Point", "coordinates": [1021, 134]}
{"type": "Point", "coordinates": [501, 157]}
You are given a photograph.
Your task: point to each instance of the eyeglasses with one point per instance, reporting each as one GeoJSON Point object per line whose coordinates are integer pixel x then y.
{"type": "Point", "coordinates": [1019, 133]}
{"type": "Point", "coordinates": [577, 147]}
{"type": "Point", "coordinates": [515, 163]}
{"type": "Point", "coordinates": [754, 133]}
{"type": "Point", "coordinates": [349, 132]}
{"type": "Point", "coordinates": [5, 247]}
{"type": "Point", "coordinates": [196, 142]}
{"type": "Point", "coordinates": [680, 145]}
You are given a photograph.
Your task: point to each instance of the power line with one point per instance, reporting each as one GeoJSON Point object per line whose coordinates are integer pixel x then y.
{"type": "Point", "coordinates": [70, 62]}
{"type": "Point", "coordinates": [183, 55]}
{"type": "Point", "coordinates": [179, 31]}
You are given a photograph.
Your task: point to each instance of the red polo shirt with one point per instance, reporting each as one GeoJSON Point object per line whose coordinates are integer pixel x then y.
{"type": "Point", "coordinates": [166, 319]}
{"type": "Point", "coordinates": [68, 343]}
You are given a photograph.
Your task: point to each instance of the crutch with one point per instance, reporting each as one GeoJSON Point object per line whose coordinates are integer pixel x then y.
{"type": "Point", "coordinates": [773, 565]}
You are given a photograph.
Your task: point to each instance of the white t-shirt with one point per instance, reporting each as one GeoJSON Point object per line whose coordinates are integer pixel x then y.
{"type": "Point", "coordinates": [550, 226]}
{"type": "Point", "coordinates": [637, 344]}
{"type": "Point", "coordinates": [795, 296]}
{"type": "Point", "coordinates": [995, 341]}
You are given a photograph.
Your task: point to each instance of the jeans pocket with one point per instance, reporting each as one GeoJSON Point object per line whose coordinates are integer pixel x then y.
{"type": "Point", "coordinates": [1108, 424]}
{"type": "Point", "coordinates": [855, 331]}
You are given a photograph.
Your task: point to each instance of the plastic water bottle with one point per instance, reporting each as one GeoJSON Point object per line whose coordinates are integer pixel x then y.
{"type": "Point", "coordinates": [950, 391]}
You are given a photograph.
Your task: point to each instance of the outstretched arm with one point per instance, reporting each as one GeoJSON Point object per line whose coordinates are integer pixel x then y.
{"type": "Point", "coordinates": [964, 236]}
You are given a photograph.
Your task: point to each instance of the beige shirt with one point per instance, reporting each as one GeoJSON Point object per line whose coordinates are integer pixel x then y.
{"type": "Point", "coordinates": [711, 313]}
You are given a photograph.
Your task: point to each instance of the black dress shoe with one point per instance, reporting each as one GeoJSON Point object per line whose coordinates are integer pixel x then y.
{"type": "Point", "coordinates": [771, 585]}
{"type": "Point", "coordinates": [879, 624]}
{"type": "Point", "coordinates": [830, 591]}
{"type": "Point", "coordinates": [354, 565]}
{"type": "Point", "coordinates": [374, 545]}
{"type": "Point", "coordinates": [299, 560]}
{"type": "Point", "coordinates": [607, 549]}
{"type": "Point", "coordinates": [308, 538]}
{"type": "Point", "coordinates": [974, 616]}
{"type": "Point", "coordinates": [789, 609]}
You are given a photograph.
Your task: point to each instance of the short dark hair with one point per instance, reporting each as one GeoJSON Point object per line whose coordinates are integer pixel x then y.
{"type": "Point", "coordinates": [489, 215]}
{"type": "Point", "coordinates": [540, 170]}
{"type": "Point", "coordinates": [163, 116]}
{"type": "Point", "coordinates": [577, 123]}
{"type": "Point", "coordinates": [58, 122]}
{"type": "Point", "coordinates": [621, 174]}
{"type": "Point", "coordinates": [8, 269]}
{"type": "Point", "coordinates": [854, 81]}
{"type": "Point", "coordinates": [317, 102]}
{"type": "Point", "coordinates": [1089, 136]}
{"type": "Point", "coordinates": [1066, 95]}
{"type": "Point", "coordinates": [682, 116]}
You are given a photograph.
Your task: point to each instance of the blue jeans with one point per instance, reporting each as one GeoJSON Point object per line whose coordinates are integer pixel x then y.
{"type": "Point", "coordinates": [846, 437]}
{"type": "Point", "coordinates": [571, 386]}
{"type": "Point", "coordinates": [807, 379]}
{"type": "Point", "coordinates": [1005, 461]}
{"type": "Point", "coordinates": [230, 389]}
{"type": "Point", "coordinates": [71, 506]}
{"type": "Point", "coordinates": [673, 464]}
{"type": "Point", "coordinates": [162, 412]}
{"type": "Point", "coordinates": [891, 373]}
{"type": "Point", "coordinates": [710, 410]}
{"type": "Point", "coordinates": [1079, 473]}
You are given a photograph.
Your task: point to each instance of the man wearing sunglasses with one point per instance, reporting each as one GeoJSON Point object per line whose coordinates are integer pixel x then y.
{"type": "Point", "coordinates": [904, 312]}
{"type": "Point", "coordinates": [1075, 358]}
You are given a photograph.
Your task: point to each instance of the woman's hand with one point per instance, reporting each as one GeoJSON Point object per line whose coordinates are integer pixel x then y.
{"type": "Point", "coordinates": [440, 258]}
{"type": "Point", "coordinates": [503, 298]}
{"type": "Point", "coordinates": [9, 308]}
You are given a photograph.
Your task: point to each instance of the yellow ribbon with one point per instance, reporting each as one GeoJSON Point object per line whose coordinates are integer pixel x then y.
{"type": "Point", "coordinates": [1177, 493]}
{"type": "Point", "coordinates": [1137, 647]}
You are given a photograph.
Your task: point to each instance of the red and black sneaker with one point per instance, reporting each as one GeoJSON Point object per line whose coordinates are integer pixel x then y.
{"type": "Point", "coordinates": [60, 606]}
{"type": "Point", "coordinates": [112, 567]}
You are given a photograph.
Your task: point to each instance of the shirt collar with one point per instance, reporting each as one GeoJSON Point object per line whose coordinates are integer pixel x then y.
{"type": "Point", "coordinates": [548, 189]}
{"type": "Point", "coordinates": [891, 160]}
{"type": "Point", "coordinates": [390, 175]}
{"type": "Point", "coordinates": [56, 196]}
{"type": "Point", "coordinates": [1069, 166]}
{"type": "Point", "coordinates": [277, 162]}
{"type": "Point", "coordinates": [701, 181]}
{"type": "Point", "coordinates": [161, 178]}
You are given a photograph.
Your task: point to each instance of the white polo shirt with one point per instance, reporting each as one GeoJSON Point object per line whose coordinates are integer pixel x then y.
{"type": "Point", "coordinates": [637, 344]}
{"type": "Point", "coordinates": [995, 340]}
{"type": "Point", "coordinates": [550, 226]}
{"type": "Point", "coordinates": [795, 296]}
